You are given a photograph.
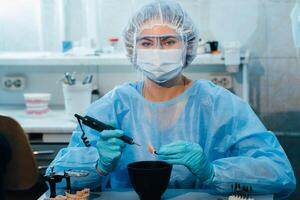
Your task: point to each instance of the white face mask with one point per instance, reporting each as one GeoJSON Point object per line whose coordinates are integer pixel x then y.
{"type": "Point", "coordinates": [160, 65]}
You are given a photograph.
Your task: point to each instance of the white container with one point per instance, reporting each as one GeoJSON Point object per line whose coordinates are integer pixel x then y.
{"type": "Point", "coordinates": [37, 103]}
{"type": "Point", "coordinates": [77, 98]}
{"type": "Point", "coordinates": [232, 55]}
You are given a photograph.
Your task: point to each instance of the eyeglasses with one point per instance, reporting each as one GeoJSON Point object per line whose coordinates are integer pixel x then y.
{"type": "Point", "coordinates": [169, 41]}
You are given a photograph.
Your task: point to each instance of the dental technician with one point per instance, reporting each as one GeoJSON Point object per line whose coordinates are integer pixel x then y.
{"type": "Point", "coordinates": [212, 137]}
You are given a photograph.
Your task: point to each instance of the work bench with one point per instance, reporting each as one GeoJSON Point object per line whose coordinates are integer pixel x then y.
{"type": "Point", "coordinates": [171, 194]}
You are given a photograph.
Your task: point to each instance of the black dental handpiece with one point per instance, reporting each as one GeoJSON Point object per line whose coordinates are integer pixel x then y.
{"type": "Point", "coordinates": [100, 126]}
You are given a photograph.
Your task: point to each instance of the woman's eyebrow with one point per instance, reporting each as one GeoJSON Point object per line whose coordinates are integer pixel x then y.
{"type": "Point", "coordinates": [144, 38]}
{"type": "Point", "coordinates": [169, 37]}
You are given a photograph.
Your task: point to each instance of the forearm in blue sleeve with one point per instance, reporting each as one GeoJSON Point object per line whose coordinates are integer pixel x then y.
{"type": "Point", "coordinates": [262, 165]}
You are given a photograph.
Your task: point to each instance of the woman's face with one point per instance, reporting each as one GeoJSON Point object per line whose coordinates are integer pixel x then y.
{"type": "Point", "coordinates": [159, 36]}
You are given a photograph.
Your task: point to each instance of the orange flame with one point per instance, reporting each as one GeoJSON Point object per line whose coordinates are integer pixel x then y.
{"type": "Point", "coordinates": [151, 149]}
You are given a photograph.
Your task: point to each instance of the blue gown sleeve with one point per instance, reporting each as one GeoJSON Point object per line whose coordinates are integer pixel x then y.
{"type": "Point", "coordinates": [78, 157]}
{"type": "Point", "coordinates": [252, 155]}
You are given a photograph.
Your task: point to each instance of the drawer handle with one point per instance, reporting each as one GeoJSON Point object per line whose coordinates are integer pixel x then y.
{"type": "Point", "coordinates": [49, 152]}
{"type": "Point", "coordinates": [42, 167]}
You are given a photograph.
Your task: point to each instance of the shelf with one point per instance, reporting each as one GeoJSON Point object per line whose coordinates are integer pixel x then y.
{"type": "Point", "coordinates": [51, 59]}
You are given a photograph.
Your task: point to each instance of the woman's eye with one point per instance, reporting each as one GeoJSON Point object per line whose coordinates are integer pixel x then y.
{"type": "Point", "coordinates": [169, 42]}
{"type": "Point", "coordinates": [146, 44]}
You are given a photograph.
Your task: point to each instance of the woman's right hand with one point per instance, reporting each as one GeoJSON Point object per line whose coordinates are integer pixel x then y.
{"type": "Point", "coordinates": [110, 149]}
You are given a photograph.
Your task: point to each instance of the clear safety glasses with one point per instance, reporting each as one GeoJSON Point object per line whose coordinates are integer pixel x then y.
{"type": "Point", "coordinates": [168, 41]}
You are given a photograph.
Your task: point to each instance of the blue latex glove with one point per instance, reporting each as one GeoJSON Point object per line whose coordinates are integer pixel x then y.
{"type": "Point", "coordinates": [109, 149]}
{"type": "Point", "coordinates": [190, 155]}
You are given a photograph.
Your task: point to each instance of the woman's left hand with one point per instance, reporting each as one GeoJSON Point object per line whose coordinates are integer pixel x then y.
{"type": "Point", "coordinates": [189, 154]}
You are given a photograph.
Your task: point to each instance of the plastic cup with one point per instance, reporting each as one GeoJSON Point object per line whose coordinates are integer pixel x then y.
{"type": "Point", "coordinates": [77, 98]}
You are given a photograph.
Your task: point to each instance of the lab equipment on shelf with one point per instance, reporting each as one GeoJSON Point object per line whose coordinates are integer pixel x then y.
{"type": "Point", "coordinates": [214, 47]}
{"type": "Point", "coordinates": [84, 47]}
{"type": "Point", "coordinates": [202, 47]}
{"type": "Point", "coordinates": [114, 44]}
{"type": "Point", "coordinates": [232, 55]}
{"type": "Point", "coordinates": [66, 45]}
{"type": "Point", "coordinates": [95, 94]}
{"type": "Point", "coordinates": [112, 47]}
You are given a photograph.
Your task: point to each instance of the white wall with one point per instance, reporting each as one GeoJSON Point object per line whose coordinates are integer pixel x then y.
{"type": "Point", "coordinates": [263, 27]}
{"type": "Point", "coordinates": [19, 30]}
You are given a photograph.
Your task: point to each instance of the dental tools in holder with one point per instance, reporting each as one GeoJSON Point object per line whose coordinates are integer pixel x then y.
{"type": "Point", "coordinates": [98, 126]}
{"type": "Point", "coordinates": [77, 94]}
{"type": "Point", "coordinates": [88, 79]}
{"type": "Point", "coordinates": [70, 79]}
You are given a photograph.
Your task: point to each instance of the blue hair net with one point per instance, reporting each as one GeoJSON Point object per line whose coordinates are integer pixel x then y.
{"type": "Point", "coordinates": [165, 12]}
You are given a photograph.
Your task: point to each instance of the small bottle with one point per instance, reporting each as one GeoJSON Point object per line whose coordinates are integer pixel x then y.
{"type": "Point", "coordinates": [201, 47]}
{"type": "Point", "coordinates": [114, 44]}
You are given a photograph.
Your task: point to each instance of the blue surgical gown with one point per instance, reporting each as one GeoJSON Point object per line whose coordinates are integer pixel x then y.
{"type": "Point", "coordinates": [231, 135]}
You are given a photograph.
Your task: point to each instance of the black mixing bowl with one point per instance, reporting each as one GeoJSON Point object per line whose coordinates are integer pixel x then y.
{"type": "Point", "coordinates": [149, 179]}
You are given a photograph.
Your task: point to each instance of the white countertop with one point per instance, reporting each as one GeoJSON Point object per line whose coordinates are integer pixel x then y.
{"type": "Point", "coordinates": [55, 121]}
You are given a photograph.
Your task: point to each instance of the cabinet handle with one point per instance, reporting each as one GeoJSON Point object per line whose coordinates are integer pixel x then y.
{"type": "Point", "coordinates": [47, 152]}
